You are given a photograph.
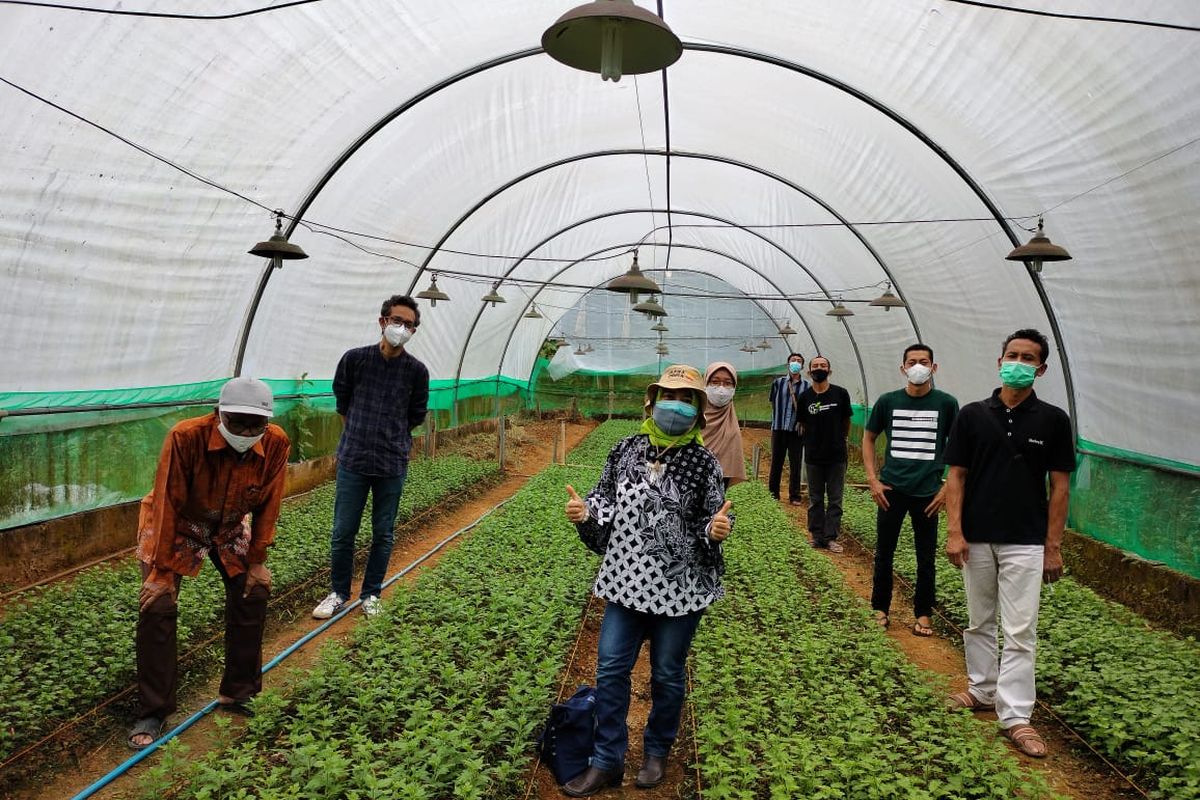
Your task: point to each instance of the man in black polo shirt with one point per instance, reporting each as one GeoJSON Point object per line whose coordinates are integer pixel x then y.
{"type": "Point", "coordinates": [1004, 533]}
{"type": "Point", "coordinates": [382, 393]}
{"type": "Point", "coordinates": [825, 418]}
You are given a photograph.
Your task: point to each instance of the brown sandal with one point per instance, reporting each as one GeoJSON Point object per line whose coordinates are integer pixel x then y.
{"type": "Point", "coordinates": [882, 619]}
{"type": "Point", "coordinates": [922, 630]}
{"type": "Point", "coordinates": [1026, 739]}
{"type": "Point", "coordinates": [968, 701]}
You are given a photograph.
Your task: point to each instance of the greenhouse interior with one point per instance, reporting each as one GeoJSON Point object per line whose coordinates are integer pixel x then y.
{"type": "Point", "coordinates": [570, 200]}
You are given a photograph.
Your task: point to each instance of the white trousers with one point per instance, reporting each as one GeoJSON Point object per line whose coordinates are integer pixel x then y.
{"type": "Point", "coordinates": [1006, 578]}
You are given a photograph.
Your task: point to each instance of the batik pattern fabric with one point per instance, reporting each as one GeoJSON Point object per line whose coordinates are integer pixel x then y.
{"type": "Point", "coordinates": [651, 526]}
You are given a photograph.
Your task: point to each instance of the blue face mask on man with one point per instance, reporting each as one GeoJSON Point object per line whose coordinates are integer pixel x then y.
{"type": "Point", "coordinates": [674, 417]}
{"type": "Point", "coordinates": [794, 367]}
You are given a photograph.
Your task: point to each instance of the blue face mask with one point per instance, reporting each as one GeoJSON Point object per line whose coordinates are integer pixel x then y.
{"type": "Point", "coordinates": [674, 417]}
{"type": "Point", "coordinates": [795, 367]}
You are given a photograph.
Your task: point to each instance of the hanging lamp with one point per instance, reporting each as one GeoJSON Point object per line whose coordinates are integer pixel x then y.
{"type": "Point", "coordinates": [662, 349]}
{"type": "Point", "coordinates": [633, 281]}
{"type": "Point", "coordinates": [613, 38]}
{"type": "Point", "coordinates": [839, 310]}
{"type": "Point", "coordinates": [278, 248]}
{"type": "Point", "coordinates": [887, 300]}
{"type": "Point", "coordinates": [579, 351]}
{"type": "Point", "coordinates": [560, 342]}
{"type": "Point", "coordinates": [1037, 250]}
{"type": "Point", "coordinates": [747, 348]}
{"type": "Point", "coordinates": [433, 293]}
{"type": "Point", "coordinates": [651, 308]}
{"type": "Point", "coordinates": [589, 348]}
{"type": "Point", "coordinates": [786, 330]}
{"type": "Point", "coordinates": [658, 327]}
{"type": "Point", "coordinates": [532, 313]}
{"type": "Point", "coordinates": [764, 344]}
{"type": "Point", "coordinates": [493, 296]}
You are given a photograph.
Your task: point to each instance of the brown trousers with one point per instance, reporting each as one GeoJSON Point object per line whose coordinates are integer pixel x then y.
{"type": "Point", "coordinates": [157, 668]}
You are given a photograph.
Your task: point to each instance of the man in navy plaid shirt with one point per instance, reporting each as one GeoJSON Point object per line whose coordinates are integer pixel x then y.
{"type": "Point", "coordinates": [382, 393]}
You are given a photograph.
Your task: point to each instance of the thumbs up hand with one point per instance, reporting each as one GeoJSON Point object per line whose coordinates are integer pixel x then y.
{"type": "Point", "coordinates": [720, 526]}
{"type": "Point", "coordinates": [576, 510]}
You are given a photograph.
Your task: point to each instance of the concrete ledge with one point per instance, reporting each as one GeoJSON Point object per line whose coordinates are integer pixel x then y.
{"type": "Point", "coordinates": [1160, 594]}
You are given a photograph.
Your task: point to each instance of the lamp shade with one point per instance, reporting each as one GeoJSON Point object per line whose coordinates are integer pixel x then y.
{"type": "Point", "coordinates": [613, 38]}
{"type": "Point", "coordinates": [532, 313]}
{"type": "Point", "coordinates": [786, 330]}
{"type": "Point", "coordinates": [433, 293]}
{"type": "Point", "coordinates": [278, 246]}
{"type": "Point", "coordinates": [887, 300]}
{"type": "Point", "coordinates": [633, 282]}
{"type": "Point", "coordinates": [839, 310]}
{"type": "Point", "coordinates": [494, 296]}
{"type": "Point", "coordinates": [1038, 249]}
{"type": "Point", "coordinates": [651, 308]}
{"type": "Point", "coordinates": [658, 327]}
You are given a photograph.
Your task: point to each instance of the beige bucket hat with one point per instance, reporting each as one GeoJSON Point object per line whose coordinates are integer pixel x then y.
{"type": "Point", "coordinates": [680, 376]}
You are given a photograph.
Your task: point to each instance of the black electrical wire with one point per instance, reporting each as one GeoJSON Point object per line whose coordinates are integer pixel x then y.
{"type": "Point", "coordinates": [1081, 17]}
{"type": "Point", "coordinates": [157, 14]}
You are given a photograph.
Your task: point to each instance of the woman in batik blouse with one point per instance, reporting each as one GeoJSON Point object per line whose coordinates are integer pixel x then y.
{"type": "Point", "coordinates": [657, 516]}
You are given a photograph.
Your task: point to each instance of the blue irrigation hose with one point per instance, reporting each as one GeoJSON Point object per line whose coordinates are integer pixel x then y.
{"type": "Point", "coordinates": [133, 760]}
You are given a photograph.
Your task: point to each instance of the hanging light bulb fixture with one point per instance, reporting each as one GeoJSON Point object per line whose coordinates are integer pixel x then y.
{"type": "Point", "coordinates": [658, 327]}
{"type": "Point", "coordinates": [746, 348]}
{"type": "Point", "coordinates": [839, 310]}
{"type": "Point", "coordinates": [887, 300]}
{"type": "Point", "coordinates": [1037, 250]}
{"type": "Point", "coordinates": [662, 349]}
{"type": "Point", "coordinates": [589, 348]}
{"type": "Point", "coordinates": [561, 342]}
{"type": "Point", "coordinates": [786, 330]}
{"type": "Point", "coordinates": [764, 344]}
{"type": "Point", "coordinates": [278, 248]}
{"type": "Point", "coordinates": [532, 313]}
{"type": "Point", "coordinates": [651, 308]}
{"type": "Point", "coordinates": [493, 296]}
{"type": "Point", "coordinates": [432, 294]}
{"type": "Point", "coordinates": [633, 281]}
{"type": "Point", "coordinates": [613, 38]}
{"type": "Point", "coordinates": [579, 351]}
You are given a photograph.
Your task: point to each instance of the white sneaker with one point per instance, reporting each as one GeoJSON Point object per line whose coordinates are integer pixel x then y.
{"type": "Point", "coordinates": [329, 606]}
{"type": "Point", "coordinates": [372, 606]}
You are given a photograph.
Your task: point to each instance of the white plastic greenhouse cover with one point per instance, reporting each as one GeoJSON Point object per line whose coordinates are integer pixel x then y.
{"type": "Point", "coordinates": [122, 271]}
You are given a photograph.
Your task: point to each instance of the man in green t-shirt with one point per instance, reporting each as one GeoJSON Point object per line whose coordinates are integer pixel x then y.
{"type": "Point", "coordinates": [916, 420]}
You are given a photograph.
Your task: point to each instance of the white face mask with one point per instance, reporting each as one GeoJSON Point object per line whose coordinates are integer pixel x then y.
{"type": "Point", "coordinates": [918, 374]}
{"type": "Point", "coordinates": [239, 443]}
{"type": "Point", "coordinates": [397, 335]}
{"type": "Point", "coordinates": [719, 396]}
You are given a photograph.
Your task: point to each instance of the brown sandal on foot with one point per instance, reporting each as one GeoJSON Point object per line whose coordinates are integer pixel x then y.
{"type": "Point", "coordinates": [881, 619]}
{"type": "Point", "coordinates": [919, 629]}
{"type": "Point", "coordinates": [968, 701]}
{"type": "Point", "coordinates": [1026, 739]}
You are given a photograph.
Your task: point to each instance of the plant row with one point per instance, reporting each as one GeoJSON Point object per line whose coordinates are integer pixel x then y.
{"type": "Point", "coordinates": [1129, 690]}
{"type": "Point", "coordinates": [67, 646]}
{"type": "Point", "coordinates": [797, 694]}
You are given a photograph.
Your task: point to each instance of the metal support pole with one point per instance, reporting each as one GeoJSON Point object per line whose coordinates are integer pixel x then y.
{"type": "Point", "coordinates": [755, 459]}
{"type": "Point", "coordinates": [562, 437]}
{"type": "Point", "coordinates": [500, 442]}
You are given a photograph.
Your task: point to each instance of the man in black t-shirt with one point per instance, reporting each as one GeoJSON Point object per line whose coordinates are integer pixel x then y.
{"type": "Point", "coordinates": [825, 419]}
{"type": "Point", "coordinates": [1004, 533]}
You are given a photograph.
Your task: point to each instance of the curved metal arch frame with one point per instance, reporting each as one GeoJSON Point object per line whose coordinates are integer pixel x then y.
{"type": "Point", "coordinates": [664, 154]}
{"type": "Point", "coordinates": [703, 215]}
{"type": "Point", "coordinates": [508, 341]}
{"type": "Point", "coordinates": [699, 47]}
{"type": "Point", "coordinates": [529, 301]}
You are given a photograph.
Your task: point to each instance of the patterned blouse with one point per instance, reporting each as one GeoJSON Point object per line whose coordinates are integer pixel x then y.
{"type": "Point", "coordinates": [653, 529]}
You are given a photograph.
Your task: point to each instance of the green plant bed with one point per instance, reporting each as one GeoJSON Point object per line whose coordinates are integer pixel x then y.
{"type": "Point", "coordinates": [65, 647]}
{"type": "Point", "coordinates": [1129, 689]}
{"type": "Point", "coordinates": [442, 695]}
{"type": "Point", "coordinates": [797, 694]}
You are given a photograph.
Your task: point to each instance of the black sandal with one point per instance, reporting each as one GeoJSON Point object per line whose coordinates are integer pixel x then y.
{"type": "Point", "coordinates": [239, 707]}
{"type": "Point", "coordinates": [146, 726]}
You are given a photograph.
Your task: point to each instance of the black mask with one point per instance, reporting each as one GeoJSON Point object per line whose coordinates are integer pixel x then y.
{"type": "Point", "coordinates": [820, 375]}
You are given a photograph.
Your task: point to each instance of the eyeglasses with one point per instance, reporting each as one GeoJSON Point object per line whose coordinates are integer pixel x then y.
{"type": "Point", "coordinates": [410, 324]}
{"type": "Point", "coordinates": [245, 424]}
{"type": "Point", "coordinates": [719, 382]}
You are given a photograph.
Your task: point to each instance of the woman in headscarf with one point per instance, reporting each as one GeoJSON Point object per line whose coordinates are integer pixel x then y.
{"type": "Point", "coordinates": [722, 435]}
{"type": "Point", "coordinates": [658, 516]}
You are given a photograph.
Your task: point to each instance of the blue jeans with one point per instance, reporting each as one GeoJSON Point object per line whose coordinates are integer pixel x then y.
{"type": "Point", "coordinates": [349, 500]}
{"type": "Point", "coordinates": [621, 637]}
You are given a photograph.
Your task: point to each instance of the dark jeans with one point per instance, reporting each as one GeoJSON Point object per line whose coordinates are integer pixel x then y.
{"type": "Point", "coordinates": [887, 533]}
{"type": "Point", "coordinates": [157, 673]}
{"type": "Point", "coordinates": [789, 444]}
{"type": "Point", "coordinates": [621, 637]}
{"type": "Point", "coordinates": [349, 500]}
{"type": "Point", "coordinates": [825, 485]}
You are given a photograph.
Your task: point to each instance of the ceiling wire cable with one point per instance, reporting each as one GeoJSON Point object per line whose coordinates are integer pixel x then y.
{"type": "Point", "coordinates": [637, 92]}
{"type": "Point", "coordinates": [158, 14]}
{"type": "Point", "coordinates": [1082, 17]}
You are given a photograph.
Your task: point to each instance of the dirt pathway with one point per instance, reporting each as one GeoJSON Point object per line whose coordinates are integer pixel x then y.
{"type": "Point", "coordinates": [1069, 767]}
{"type": "Point", "coordinates": [529, 450]}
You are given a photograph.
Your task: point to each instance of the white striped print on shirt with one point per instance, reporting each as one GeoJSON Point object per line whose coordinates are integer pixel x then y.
{"type": "Point", "coordinates": [914, 434]}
